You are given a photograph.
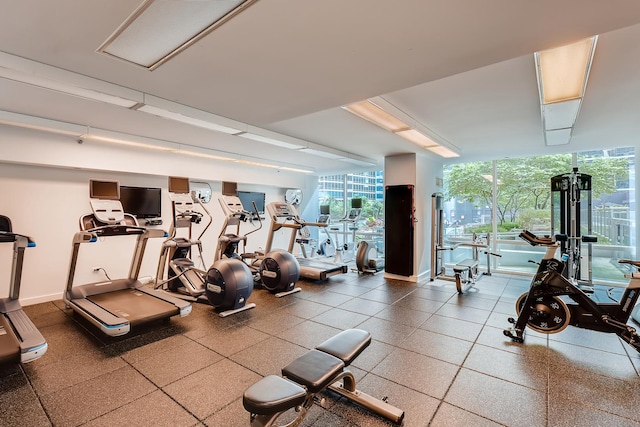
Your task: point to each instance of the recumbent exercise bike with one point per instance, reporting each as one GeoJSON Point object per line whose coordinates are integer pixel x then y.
{"type": "Point", "coordinates": [545, 311]}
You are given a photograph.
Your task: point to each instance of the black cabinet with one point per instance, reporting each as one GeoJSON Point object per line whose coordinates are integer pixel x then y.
{"type": "Point", "coordinates": [399, 229]}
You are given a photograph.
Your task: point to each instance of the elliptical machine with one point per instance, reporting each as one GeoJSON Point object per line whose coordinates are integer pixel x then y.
{"type": "Point", "coordinates": [364, 262]}
{"type": "Point", "coordinates": [277, 271]}
{"type": "Point", "coordinates": [544, 309]}
{"type": "Point", "coordinates": [224, 285]}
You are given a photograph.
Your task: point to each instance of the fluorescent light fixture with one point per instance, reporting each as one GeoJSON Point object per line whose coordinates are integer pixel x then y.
{"type": "Point", "coordinates": [558, 136]}
{"type": "Point", "coordinates": [376, 114]}
{"type": "Point", "coordinates": [188, 115]}
{"type": "Point", "coordinates": [130, 140]}
{"type": "Point", "coordinates": [417, 138]}
{"type": "Point", "coordinates": [563, 71]}
{"type": "Point", "coordinates": [51, 78]}
{"type": "Point", "coordinates": [273, 138]}
{"type": "Point", "coordinates": [443, 151]}
{"type": "Point", "coordinates": [562, 80]}
{"type": "Point", "coordinates": [158, 30]}
{"type": "Point", "coordinates": [41, 124]}
{"type": "Point", "coordinates": [371, 112]}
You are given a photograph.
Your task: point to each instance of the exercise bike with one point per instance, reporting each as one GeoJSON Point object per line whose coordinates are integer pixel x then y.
{"type": "Point", "coordinates": [544, 309]}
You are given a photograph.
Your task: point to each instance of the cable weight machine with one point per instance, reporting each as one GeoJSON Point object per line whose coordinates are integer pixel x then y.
{"type": "Point", "coordinates": [571, 217]}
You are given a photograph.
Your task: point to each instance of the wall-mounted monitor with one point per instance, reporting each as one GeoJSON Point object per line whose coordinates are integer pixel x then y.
{"type": "Point", "coordinates": [141, 202]}
{"type": "Point", "coordinates": [247, 197]}
{"type": "Point", "coordinates": [105, 190]}
{"type": "Point", "coordinates": [229, 188]}
{"type": "Point", "coordinates": [178, 185]}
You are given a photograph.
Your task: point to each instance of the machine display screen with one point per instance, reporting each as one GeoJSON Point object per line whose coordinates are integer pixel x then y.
{"type": "Point", "coordinates": [105, 190]}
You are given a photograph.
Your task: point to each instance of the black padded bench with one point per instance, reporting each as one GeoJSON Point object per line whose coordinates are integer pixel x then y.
{"type": "Point", "coordinates": [311, 373]}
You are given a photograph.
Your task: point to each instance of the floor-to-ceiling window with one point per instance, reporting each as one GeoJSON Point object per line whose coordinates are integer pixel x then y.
{"type": "Point", "coordinates": [337, 192]}
{"type": "Point", "coordinates": [507, 196]}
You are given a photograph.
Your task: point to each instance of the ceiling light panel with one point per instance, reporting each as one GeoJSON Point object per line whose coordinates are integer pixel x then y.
{"type": "Point", "coordinates": [369, 111]}
{"type": "Point", "coordinates": [564, 70]}
{"type": "Point", "coordinates": [443, 151]}
{"type": "Point", "coordinates": [417, 138]}
{"type": "Point", "coordinates": [160, 29]}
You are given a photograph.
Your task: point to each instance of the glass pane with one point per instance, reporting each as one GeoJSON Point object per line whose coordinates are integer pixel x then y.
{"type": "Point", "coordinates": [612, 210]}
{"type": "Point", "coordinates": [467, 213]}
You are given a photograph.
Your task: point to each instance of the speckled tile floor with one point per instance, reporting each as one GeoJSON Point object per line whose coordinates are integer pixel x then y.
{"type": "Point", "coordinates": [439, 356]}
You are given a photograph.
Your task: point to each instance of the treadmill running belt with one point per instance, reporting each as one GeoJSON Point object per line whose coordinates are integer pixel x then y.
{"type": "Point", "coordinates": [9, 345]}
{"type": "Point", "coordinates": [135, 306]}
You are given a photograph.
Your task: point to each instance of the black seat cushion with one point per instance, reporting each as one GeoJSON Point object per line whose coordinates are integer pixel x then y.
{"type": "Point", "coordinates": [314, 369]}
{"type": "Point", "coordinates": [346, 345]}
{"type": "Point", "coordinates": [272, 394]}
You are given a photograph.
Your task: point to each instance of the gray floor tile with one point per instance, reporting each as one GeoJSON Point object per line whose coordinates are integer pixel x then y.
{"type": "Point", "coordinates": [18, 402]}
{"type": "Point", "coordinates": [469, 314]}
{"type": "Point", "coordinates": [340, 319]}
{"type": "Point", "coordinates": [213, 388]}
{"type": "Point", "coordinates": [605, 393]}
{"type": "Point", "coordinates": [564, 412]}
{"type": "Point", "coordinates": [385, 331]}
{"type": "Point", "coordinates": [364, 306]}
{"type": "Point", "coordinates": [155, 409]}
{"type": "Point", "coordinates": [418, 372]}
{"type": "Point", "coordinates": [309, 334]}
{"type": "Point", "coordinates": [452, 416]}
{"type": "Point", "coordinates": [232, 340]}
{"type": "Point", "coordinates": [91, 399]}
{"type": "Point", "coordinates": [177, 363]}
{"type": "Point", "coordinates": [498, 400]}
{"type": "Point", "coordinates": [519, 369]}
{"type": "Point", "coordinates": [438, 346]}
{"type": "Point", "coordinates": [452, 327]}
{"type": "Point", "coordinates": [403, 315]}
{"type": "Point", "coordinates": [269, 356]}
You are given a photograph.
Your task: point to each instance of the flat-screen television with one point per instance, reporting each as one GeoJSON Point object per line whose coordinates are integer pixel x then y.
{"type": "Point", "coordinates": [109, 190]}
{"type": "Point", "coordinates": [325, 209]}
{"type": "Point", "coordinates": [246, 197]}
{"type": "Point", "coordinates": [141, 202]}
{"type": "Point", "coordinates": [356, 203]}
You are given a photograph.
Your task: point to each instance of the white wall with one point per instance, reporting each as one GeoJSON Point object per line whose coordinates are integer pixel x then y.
{"type": "Point", "coordinates": [44, 190]}
{"type": "Point", "coordinates": [420, 171]}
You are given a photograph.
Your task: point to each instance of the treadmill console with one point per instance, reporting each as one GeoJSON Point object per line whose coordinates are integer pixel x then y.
{"type": "Point", "coordinates": [107, 211]}
{"type": "Point", "coordinates": [282, 210]}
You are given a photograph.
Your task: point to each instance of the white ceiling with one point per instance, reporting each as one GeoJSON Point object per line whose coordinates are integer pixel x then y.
{"type": "Point", "coordinates": [464, 69]}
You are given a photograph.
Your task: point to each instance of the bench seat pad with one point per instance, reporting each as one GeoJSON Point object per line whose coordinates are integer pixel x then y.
{"type": "Point", "coordinates": [347, 345]}
{"type": "Point", "coordinates": [272, 394]}
{"type": "Point", "coordinates": [315, 370]}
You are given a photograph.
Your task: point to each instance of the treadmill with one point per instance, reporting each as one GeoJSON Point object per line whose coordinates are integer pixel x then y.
{"type": "Point", "coordinates": [284, 215]}
{"type": "Point", "coordinates": [20, 340]}
{"type": "Point", "coordinates": [114, 306]}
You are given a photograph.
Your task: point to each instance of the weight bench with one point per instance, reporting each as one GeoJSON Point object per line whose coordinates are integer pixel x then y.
{"type": "Point", "coordinates": [465, 272]}
{"type": "Point", "coordinates": [324, 367]}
